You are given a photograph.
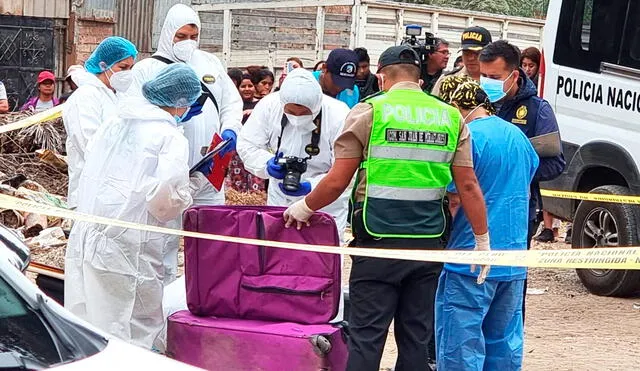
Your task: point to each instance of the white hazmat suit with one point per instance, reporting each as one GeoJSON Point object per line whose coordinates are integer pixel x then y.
{"type": "Point", "coordinates": [135, 170]}
{"type": "Point", "coordinates": [200, 129]}
{"type": "Point", "coordinates": [258, 142]}
{"type": "Point", "coordinates": [258, 139]}
{"type": "Point", "coordinates": [91, 105]}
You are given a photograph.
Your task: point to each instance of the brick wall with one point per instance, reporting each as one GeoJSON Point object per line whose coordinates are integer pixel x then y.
{"type": "Point", "coordinates": [87, 35]}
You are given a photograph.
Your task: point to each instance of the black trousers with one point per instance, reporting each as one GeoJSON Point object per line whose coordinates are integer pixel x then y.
{"type": "Point", "coordinates": [382, 290]}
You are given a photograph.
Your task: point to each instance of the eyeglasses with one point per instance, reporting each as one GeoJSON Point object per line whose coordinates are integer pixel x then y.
{"type": "Point", "coordinates": [446, 53]}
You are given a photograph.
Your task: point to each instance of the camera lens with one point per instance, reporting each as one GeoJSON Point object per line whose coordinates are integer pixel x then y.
{"type": "Point", "coordinates": [291, 181]}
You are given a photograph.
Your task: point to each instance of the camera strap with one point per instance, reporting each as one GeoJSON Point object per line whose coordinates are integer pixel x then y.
{"type": "Point", "coordinates": [313, 148]}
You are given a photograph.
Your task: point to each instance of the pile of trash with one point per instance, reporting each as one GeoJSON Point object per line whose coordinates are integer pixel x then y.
{"type": "Point", "coordinates": [33, 167]}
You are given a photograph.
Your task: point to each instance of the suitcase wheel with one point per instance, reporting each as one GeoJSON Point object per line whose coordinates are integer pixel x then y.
{"type": "Point", "coordinates": [321, 345]}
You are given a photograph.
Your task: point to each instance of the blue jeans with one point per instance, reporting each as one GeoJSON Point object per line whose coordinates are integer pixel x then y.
{"type": "Point", "coordinates": [478, 327]}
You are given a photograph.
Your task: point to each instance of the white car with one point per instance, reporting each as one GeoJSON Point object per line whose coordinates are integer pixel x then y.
{"type": "Point", "coordinates": [591, 77]}
{"type": "Point", "coordinates": [37, 333]}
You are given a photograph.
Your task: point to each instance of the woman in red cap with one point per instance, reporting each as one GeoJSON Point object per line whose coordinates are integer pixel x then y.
{"type": "Point", "coordinates": [45, 99]}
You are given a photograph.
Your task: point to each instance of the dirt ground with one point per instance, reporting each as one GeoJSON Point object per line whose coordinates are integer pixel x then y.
{"type": "Point", "coordinates": [567, 328]}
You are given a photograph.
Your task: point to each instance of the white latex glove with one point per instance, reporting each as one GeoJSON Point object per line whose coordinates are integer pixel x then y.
{"type": "Point", "coordinates": [299, 213]}
{"type": "Point", "coordinates": [482, 244]}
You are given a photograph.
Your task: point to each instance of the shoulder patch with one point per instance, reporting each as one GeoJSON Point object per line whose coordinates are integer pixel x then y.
{"type": "Point", "coordinates": [208, 79]}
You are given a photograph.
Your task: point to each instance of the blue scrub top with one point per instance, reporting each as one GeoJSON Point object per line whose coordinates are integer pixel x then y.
{"type": "Point", "coordinates": [350, 97]}
{"type": "Point", "coordinates": [504, 162]}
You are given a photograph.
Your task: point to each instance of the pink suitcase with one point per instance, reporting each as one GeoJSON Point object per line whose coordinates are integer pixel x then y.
{"type": "Point", "coordinates": [246, 345]}
{"type": "Point", "coordinates": [255, 282]}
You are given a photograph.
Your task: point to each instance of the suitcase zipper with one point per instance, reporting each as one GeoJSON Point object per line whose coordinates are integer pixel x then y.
{"type": "Point", "coordinates": [262, 253]}
{"type": "Point", "coordinates": [281, 290]}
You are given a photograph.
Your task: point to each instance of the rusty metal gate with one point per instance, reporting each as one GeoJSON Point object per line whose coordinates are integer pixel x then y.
{"type": "Point", "coordinates": [26, 48]}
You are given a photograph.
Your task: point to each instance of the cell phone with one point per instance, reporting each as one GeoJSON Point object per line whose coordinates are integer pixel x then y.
{"type": "Point", "coordinates": [289, 66]}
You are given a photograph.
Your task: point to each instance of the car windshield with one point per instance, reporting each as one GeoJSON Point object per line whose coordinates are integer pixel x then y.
{"type": "Point", "coordinates": [37, 337]}
{"type": "Point", "coordinates": [22, 330]}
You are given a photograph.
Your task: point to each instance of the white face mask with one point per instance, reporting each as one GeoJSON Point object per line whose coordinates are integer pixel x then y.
{"type": "Point", "coordinates": [121, 81]}
{"type": "Point", "coordinates": [299, 120]}
{"type": "Point", "coordinates": [183, 50]}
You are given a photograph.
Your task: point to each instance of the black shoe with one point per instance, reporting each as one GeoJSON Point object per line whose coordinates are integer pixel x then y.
{"type": "Point", "coordinates": [567, 238]}
{"type": "Point", "coordinates": [545, 236]}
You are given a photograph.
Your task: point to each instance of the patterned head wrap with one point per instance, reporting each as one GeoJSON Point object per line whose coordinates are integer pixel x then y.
{"type": "Point", "coordinates": [466, 93]}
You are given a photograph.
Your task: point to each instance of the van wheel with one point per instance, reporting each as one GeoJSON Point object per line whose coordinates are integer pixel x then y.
{"type": "Point", "coordinates": [602, 224]}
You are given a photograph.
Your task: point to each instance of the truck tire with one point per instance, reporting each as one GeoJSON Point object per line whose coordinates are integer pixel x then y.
{"type": "Point", "coordinates": [603, 224]}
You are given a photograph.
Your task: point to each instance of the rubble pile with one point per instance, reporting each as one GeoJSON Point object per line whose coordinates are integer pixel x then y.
{"type": "Point", "coordinates": [33, 167]}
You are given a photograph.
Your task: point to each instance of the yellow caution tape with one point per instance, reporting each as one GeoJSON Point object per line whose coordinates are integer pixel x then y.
{"type": "Point", "coordinates": [48, 115]}
{"type": "Point", "coordinates": [602, 197]}
{"type": "Point", "coordinates": [597, 258]}
{"type": "Point", "coordinates": [56, 112]}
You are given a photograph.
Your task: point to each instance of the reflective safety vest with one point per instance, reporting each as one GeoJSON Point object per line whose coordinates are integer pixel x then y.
{"type": "Point", "coordinates": [408, 167]}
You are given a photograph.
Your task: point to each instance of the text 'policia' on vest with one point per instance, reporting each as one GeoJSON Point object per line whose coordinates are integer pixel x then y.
{"type": "Point", "coordinates": [413, 141]}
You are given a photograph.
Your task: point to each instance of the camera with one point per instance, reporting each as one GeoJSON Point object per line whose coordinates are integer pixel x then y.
{"type": "Point", "coordinates": [294, 166]}
{"type": "Point", "coordinates": [423, 47]}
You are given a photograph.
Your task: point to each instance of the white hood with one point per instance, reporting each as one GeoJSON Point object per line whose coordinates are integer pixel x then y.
{"type": "Point", "coordinates": [178, 16]}
{"type": "Point", "coordinates": [300, 87]}
{"type": "Point", "coordinates": [139, 108]}
{"type": "Point", "coordinates": [80, 76]}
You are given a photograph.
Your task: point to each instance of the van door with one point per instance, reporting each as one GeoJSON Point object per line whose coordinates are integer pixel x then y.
{"type": "Point", "coordinates": [630, 52]}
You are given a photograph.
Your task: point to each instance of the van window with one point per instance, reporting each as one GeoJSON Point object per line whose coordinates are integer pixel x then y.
{"type": "Point", "coordinates": [595, 29]}
{"type": "Point", "coordinates": [630, 53]}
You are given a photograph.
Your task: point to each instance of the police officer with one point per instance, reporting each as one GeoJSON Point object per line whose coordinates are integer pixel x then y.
{"type": "Point", "coordinates": [472, 41]}
{"type": "Point", "coordinates": [515, 97]}
{"type": "Point", "coordinates": [405, 146]}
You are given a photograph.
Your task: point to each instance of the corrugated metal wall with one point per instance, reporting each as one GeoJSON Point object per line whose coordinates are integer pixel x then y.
{"type": "Point", "coordinates": [96, 9]}
{"type": "Point", "coordinates": [134, 21]}
{"type": "Point", "coordinates": [36, 8]}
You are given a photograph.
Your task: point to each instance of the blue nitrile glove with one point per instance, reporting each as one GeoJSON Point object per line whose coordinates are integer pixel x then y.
{"type": "Point", "coordinates": [194, 110]}
{"type": "Point", "coordinates": [275, 170]}
{"type": "Point", "coordinates": [231, 136]}
{"type": "Point", "coordinates": [305, 188]}
{"type": "Point", "coordinates": [206, 167]}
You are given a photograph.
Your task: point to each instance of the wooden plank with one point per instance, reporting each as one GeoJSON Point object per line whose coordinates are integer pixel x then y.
{"type": "Point", "coordinates": [505, 29]}
{"type": "Point", "coordinates": [226, 37]}
{"type": "Point", "coordinates": [319, 32]}
{"type": "Point", "coordinates": [355, 12]}
{"type": "Point", "coordinates": [361, 33]}
{"type": "Point", "coordinates": [435, 18]}
{"type": "Point", "coordinates": [419, 18]}
{"type": "Point", "coordinates": [272, 4]}
{"type": "Point", "coordinates": [400, 30]}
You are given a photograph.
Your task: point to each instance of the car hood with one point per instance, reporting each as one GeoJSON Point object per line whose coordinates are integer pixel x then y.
{"type": "Point", "coordinates": [119, 355]}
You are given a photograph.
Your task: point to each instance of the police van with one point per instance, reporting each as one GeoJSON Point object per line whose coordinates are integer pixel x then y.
{"type": "Point", "coordinates": [591, 77]}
